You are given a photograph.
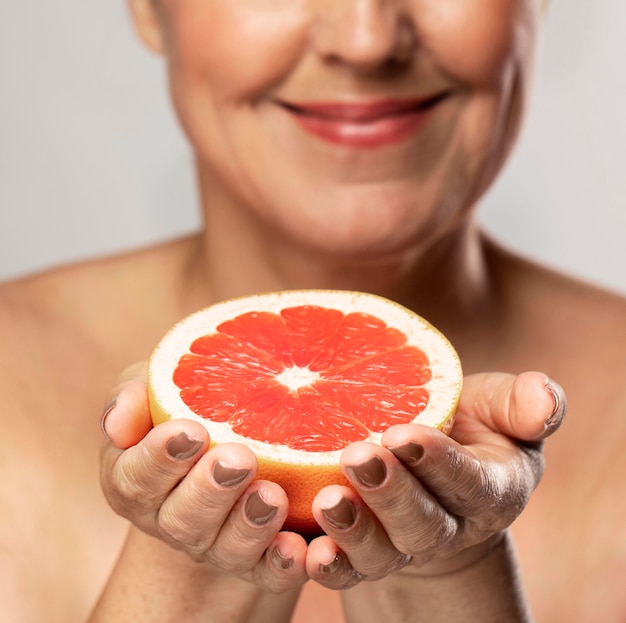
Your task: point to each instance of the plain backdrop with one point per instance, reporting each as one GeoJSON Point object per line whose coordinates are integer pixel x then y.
{"type": "Point", "coordinates": [92, 162]}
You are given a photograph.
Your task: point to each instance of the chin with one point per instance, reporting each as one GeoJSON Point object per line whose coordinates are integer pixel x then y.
{"type": "Point", "coordinates": [380, 228]}
{"type": "Point", "coordinates": [376, 246]}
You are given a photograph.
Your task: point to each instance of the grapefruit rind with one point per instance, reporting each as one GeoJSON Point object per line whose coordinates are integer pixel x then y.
{"type": "Point", "coordinates": [288, 466]}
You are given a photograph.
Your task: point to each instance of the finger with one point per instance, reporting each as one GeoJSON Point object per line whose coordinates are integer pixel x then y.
{"type": "Point", "coordinates": [126, 417]}
{"type": "Point", "coordinates": [136, 481]}
{"type": "Point", "coordinates": [250, 528]}
{"type": "Point", "coordinates": [489, 490]}
{"type": "Point", "coordinates": [412, 517]}
{"type": "Point", "coordinates": [529, 406]}
{"type": "Point", "coordinates": [329, 566]}
{"type": "Point", "coordinates": [250, 544]}
{"type": "Point", "coordinates": [193, 513]}
{"type": "Point", "coordinates": [283, 564]}
{"type": "Point", "coordinates": [357, 532]}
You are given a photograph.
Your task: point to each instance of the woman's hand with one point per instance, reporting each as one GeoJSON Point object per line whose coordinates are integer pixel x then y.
{"type": "Point", "coordinates": [431, 503]}
{"type": "Point", "coordinates": [203, 502]}
{"type": "Point", "coordinates": [424, 500]}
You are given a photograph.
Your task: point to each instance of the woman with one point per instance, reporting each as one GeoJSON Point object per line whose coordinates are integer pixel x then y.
{"type": "Point", "coordinates": [344, 145]}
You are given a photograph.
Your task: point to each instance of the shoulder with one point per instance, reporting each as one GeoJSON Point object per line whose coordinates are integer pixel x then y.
{"type": "Point", "coordinates": [91, 301]}
{"type": "Point", "coordinates": [582, 328]}
{"type": "Point", "coordinates": [74, 328]}
{"type": "Point", "coordinates": [581, 314]}
{"type": "Point", "coordinates": [576, 333]}
{"type": "Point", "coordinates": [52, 378]}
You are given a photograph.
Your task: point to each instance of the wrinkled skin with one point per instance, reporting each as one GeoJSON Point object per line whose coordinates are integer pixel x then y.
{"type": "Point", "coordinates": [284, 210]}
{"type": "Point", "coordinates": [427, 514]}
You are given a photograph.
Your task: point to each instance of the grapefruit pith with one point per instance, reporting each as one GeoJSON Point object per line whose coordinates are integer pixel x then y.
{"type": "Point", "coordinates": [298, 375]}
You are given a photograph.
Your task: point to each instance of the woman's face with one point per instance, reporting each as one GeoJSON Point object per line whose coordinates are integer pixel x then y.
{"type": "Point", "coordinates": [358, 127]}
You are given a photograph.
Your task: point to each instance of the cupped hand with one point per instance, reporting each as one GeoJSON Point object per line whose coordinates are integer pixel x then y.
{"type": "Point", "coordinates": [431, 503]}
{"type": "Point", "coordinates": [205, 502]}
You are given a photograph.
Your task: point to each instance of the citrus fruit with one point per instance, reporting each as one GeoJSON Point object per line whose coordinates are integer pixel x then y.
{"type": "Point", "coordinates": [298, 375]}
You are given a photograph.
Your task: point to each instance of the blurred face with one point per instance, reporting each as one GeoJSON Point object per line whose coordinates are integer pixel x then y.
{"type": "Point", "coordinates": [359, 127]}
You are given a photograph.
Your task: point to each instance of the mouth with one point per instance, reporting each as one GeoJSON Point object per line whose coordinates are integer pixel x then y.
{"type": "Point", "coordinates": [367, 124]}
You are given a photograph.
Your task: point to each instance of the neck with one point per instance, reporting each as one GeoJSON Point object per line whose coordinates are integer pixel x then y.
{"type": "Point", "coordinates": [447, 281]}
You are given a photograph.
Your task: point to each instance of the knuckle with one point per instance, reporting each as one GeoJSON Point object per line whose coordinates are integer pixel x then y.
{"type": "Point", "coordinates": [465, 488]}
{"type": "Point", "coordinates": [397, 562]}
{"type": "Point", "coordinates": [343, 579]}
{"type": "Point", "coordinates": [435, 532]}
{"type": "Point", "coordinates": [143, 481]}
{"type": "Point", "coordinates": [505, 493]}
{"type": "Point", "coordinates": [277, 588]}
{"type": "Point", "coordinates": [277, 583]}
{"type": "Point", "coordinates": [122, 492]}
{"type": "Point", "coordinates": [172, 526]}
{"type": "Point", "coordinates": [230, 557]}
{"type": "Point", "coordinates": [133, 492]}
{"type": "Point", "coordinates": [354, 577]}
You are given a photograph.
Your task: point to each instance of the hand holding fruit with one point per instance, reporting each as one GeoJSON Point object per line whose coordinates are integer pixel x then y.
{"type": "Point", "coordinates": [296, 377]}
{"type": "Point", "coordinates": [203, 502]}
{"type": "Point", "coordinates": [433, 503]}
{"type": "Point", "coordinates": [423, 498]}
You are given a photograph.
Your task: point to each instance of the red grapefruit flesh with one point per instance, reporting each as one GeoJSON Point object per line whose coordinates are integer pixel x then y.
{"type": "Point", "coordinates": [298, 375]}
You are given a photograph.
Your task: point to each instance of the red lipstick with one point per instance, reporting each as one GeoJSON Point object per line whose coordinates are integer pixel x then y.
{"type": "Point", "coordinates": [370, 124]}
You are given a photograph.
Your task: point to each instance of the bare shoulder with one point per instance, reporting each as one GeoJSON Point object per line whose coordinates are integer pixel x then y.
{"type": "Point", "coordinates": [92, 302]}
{"type": "Point", "coordinates": [48, 450]}
{"type": "Point", "coordinates": [66, 335]}
{"type": "Point", "coordinates": [573, 529]}
{"type": "Point", "coordinates": [576, 331]}
{"type": "Point", "coordinates": [567, 320]}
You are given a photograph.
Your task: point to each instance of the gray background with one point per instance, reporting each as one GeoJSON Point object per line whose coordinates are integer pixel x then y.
{"type": "Point", "coordinates": [91, 160]}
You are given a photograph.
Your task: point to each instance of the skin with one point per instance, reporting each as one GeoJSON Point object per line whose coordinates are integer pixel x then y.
{"type": "Point", "coordinates": [161, 539]}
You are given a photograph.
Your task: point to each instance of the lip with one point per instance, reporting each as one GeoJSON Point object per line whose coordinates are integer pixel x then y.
{"type": "Point", "coordinates": [363, 124]}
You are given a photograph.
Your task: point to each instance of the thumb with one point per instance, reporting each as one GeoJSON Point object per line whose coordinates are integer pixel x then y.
{"type": "Point", "coordinates": [529, 406]}
{"type": "Point", "coordinates": [126, 418]}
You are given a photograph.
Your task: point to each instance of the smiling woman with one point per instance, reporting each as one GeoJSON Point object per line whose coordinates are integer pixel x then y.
{"type": "Point", "coordinates": [337, 145]}
{"type": "Point", "coordinates": [321, 68]}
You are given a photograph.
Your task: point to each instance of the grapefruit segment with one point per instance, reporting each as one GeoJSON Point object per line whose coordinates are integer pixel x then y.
{"type": "Point", "coordinates": [310, 329]}
{"type": "Point", "coordinates": [298, 375]}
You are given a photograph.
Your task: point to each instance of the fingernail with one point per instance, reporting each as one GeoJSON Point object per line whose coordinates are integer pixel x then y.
{"type": "Point", "coordinates": [258, 511]}
{"type": "Point", "coordinates": [560, 405]}
{"type": "Point", "coordinates": [332, 566]}
{"type": "Point", "coordinates": [281, 561]}
{"type": "Point", "coordinates": [226, 476]}
{"type": "Point", "coordinates": [342, 515]}
{"type": "Point", "coordinates": [105, 414]}
{"type": "Point", "coordinates": [409, 453]}
{"type": "Point", "coordinates": [182, 447]}
{"type": "Point", "coordinates": [370, 473]}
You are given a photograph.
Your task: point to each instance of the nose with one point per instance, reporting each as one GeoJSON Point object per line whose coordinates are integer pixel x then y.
{"type": "Point", "coordinates": [364, 34]}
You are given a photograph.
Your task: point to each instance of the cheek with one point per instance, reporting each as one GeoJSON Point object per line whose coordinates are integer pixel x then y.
{"type": "Point", "coordinates": [239, 48]}
{"type": "Point", "coordinates": [477, 41]}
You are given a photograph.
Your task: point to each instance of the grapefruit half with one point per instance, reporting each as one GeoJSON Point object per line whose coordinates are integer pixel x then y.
{"type": "Point", "coordinates": [300, 374]}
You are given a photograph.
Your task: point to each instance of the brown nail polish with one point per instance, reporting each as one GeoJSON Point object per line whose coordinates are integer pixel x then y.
{"type": "Point", "coordinates": [182, 447]}
{"type": "Point", "coordinates": [342, 515]}
{"type": "Point", "coordinates": [105, 414]}
{"type": "Point", "coordinates": [280, 561]}
{"type": "Point", "coordinates": [409, 453]}
{"type": "Point", "coordinates": [258, 511]}
{"type": "Point", "coordinates": [560, 405]}
{"type": "Point", "coordinates": [370, 473]}
{"type": "Point", "coordinates": [332, 566]}
{"type": "Point", "coordinates": [226, 476]}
